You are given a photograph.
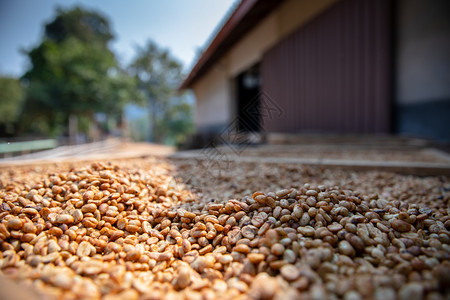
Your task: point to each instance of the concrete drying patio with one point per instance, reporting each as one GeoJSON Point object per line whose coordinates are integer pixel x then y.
{"type": "Point", "coordinates": [399, 155]}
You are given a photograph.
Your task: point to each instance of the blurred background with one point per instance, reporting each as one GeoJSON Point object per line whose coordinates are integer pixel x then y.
{"type": "Point", "coordinates": [81, 71]}
{"type": "Point", "coordinates": [340, 67]}
{"type": "Point", "coordinates": [185, 73]}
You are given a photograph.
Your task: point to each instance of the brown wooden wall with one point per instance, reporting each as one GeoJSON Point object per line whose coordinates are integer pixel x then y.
{"type": "Point", "coordinates": [334, 74]}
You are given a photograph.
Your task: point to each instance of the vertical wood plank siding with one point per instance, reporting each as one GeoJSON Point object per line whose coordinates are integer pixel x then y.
{"type": "Point", "coordinates": [334, 74]}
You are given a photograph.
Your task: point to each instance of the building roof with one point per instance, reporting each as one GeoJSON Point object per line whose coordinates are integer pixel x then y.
{"type": "Point", "coordinates": [244, 18]}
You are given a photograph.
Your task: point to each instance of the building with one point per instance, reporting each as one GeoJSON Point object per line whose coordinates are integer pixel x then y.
{"type": "Point", "coordinates": [328, 66]}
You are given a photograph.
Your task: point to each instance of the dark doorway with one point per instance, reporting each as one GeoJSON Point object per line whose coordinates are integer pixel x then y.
{"type": "Point", "coordinates": [248, 85]}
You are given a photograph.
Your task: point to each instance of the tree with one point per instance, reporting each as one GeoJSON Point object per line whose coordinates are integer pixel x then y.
{"type": "Point", "coordinates": [87, 26]}
{"type": "Point", "coordinates": [177, 122]}
{"type": "Point", "coordinates": [11, 100]}
{"type": "Point", "coordinates": [74, 73]}
{"type": "Point", "coordinates": [159, 75]}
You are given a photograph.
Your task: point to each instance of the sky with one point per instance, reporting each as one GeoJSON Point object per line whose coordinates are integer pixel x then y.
{"type": "Point", "coordinates": [183, 27]}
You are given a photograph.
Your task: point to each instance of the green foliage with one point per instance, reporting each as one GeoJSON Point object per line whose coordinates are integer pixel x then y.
{"type": "Point", "coordinates": [74, 75]}
{"type": "Point", "coordinates": [86, 26]}
{"type": "Point", "coordinates": [159, 74]}
{"type": "Point", "coordinates": [73, 72]}
{"type": "Point", "coordinates": [138, 129]}
{"type": "Point", "coordinates": [11, 100]}
{"type": "Point", "coordinates": [69, 79]}
{"type": "Point", "coordinates": [176, 123]}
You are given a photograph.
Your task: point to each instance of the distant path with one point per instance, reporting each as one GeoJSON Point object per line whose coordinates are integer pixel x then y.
{"type": "Point", "coordinates": [103, 150]}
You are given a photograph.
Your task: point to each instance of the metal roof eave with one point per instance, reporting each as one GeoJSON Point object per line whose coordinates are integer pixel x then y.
{"type": "Point", "coordinates": [245, 17]}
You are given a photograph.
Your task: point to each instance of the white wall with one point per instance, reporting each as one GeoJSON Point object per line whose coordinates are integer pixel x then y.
{"type": "Point", "coordinates": [250, 49]}
{"type": "Point", "coordinates": [212, 94]}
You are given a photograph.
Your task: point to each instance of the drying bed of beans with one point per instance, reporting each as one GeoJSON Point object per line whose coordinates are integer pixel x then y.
{"type": "Point", "coordinates": [154, 229]}
{"type": "Point", "coordinates": [333, 152]}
